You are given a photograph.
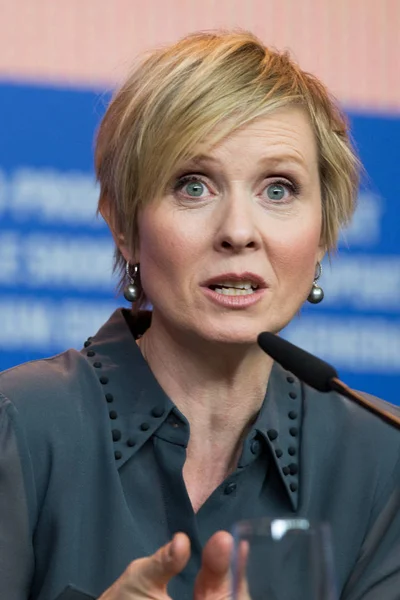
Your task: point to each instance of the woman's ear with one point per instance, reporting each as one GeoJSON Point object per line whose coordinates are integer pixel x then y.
{"type": "Point", "coordinates": [321, 253]}
{"type": "Point", "coordinates": [119, 238]}
{"type": "Point", "coordinates": [322, 250]}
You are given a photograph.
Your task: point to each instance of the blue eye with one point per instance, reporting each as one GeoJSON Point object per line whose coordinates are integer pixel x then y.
{"type": "Point", "coordinates": [191, 186]}
{"type": "Point", "coordinates": [276, 191]}
{"type": "Point", "coordinates": [194, 188]}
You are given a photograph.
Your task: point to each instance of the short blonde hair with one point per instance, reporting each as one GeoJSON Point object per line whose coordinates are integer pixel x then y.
{"type": "Point", "coordinates": [197, 91]}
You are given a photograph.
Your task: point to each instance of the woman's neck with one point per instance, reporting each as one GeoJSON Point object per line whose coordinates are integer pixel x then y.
{"type": "Point", "coordinates": [218, 387]}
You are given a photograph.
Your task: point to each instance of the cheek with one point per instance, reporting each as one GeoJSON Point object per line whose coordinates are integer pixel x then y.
{"type": "Point", "coordinates": [296, 252]}
{"type": "Point", "coordinates": [166, 248]}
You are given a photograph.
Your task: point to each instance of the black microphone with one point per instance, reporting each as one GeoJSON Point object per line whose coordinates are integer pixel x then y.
{"type": "Point", "coordinates": [316, 373]}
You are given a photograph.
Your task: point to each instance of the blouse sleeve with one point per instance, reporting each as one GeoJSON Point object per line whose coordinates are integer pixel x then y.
{"type": "Point", "coordinates": [16, 553]}
{"type": "Point", "coordinates": [376, 575]}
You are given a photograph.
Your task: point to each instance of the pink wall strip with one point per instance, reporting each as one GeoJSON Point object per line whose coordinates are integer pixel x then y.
{"type": "Point", "coordinates": [353, 45]}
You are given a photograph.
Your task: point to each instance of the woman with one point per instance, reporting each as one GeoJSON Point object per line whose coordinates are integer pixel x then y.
{"type": "Point", "coordinates": [226, 173]}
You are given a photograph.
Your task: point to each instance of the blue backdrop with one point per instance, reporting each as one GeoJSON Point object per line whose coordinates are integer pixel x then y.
{"type": "Point", "coordinates": [56, 286]}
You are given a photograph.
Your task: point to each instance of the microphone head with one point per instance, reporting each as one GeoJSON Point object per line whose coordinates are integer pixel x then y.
{"type": "Point", "coordinates": [310, 369]}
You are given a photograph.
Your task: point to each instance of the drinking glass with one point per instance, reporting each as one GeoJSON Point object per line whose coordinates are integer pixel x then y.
{"type": "Point", "coordinates": [282, 559]}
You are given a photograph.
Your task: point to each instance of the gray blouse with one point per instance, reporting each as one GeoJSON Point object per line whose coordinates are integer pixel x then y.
{"type": "Point", "coordinates": [91, 458]}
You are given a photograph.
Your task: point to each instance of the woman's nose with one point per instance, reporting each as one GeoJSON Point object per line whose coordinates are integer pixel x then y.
{"type": "Point", "coordinates": [236, 226]}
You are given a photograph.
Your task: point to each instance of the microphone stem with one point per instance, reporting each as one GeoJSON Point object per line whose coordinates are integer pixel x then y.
{"type": "Point", "coordinates": [342, 388]}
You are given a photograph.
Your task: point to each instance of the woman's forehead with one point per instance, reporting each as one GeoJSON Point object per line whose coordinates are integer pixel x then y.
{"type": "Point", "coordinates": [282, 138]}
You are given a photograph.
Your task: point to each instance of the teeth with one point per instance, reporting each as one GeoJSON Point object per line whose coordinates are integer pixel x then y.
{"type": "Point", "coordinates": [240, 285]}
{"type": "Point", "coordinates": [234, 291]}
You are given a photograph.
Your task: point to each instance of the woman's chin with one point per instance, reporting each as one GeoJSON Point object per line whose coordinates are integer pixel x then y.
{"type": "Point", "coordinates": [246, 336]}
{"type": "Point", "coordinates": [225, 329]}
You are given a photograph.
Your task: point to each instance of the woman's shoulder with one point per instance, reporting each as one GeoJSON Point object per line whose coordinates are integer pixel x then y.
{"type": "Point", "coordinates": [353, 439]}
{"type": "Point", "coordinates": [69, 381]}
{"type": "Point", "coordinates": [339, 412]}
{"type": "Point", "coordinates": [48, 399]}
{"type": "Point", "coordinates": [68, 395]}
{"type": "Point", "coordinates": [331, 420]}
{"type": "Point", "coordinates": [45, 383]}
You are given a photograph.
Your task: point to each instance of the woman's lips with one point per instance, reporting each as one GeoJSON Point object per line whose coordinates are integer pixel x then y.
{"type": "Point", "coordinates": [234, 300]}
{"type": "Point", "coordinates": [235, 290]}
{"type": "Point", "coordinates": [246, 277]}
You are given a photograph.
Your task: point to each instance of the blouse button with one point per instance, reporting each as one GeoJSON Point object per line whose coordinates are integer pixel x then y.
{"type": "Point", "coordinates": [293, 487]}
{"type": "Point", "coordinates": [272, 434]}
{"type": "Point", "coordinates": [103, 380]}
{"type": "Point", "coordinates": [144, 426]}
{"type": "Point", "coordinates": [113, 414]}
{"type": "Point", "coordinates": [109, 397]}
{"type": "Point", "coordinates": [131, 442]}
{"type": "Point", "coordinates": [293, 395]}
{"type": "Point", "coordinates": [117, 455]}
{"type": "Point", "coordinates": [293, 468]}
{"type": "Point", "coordinates": [278, 452]}
{"type": "Point", "coordinates": [255, 446]}
{"type": "Point", "coordinates": [158, 411]}
{"type": "Point", "coordinates": [292, 450]}
{"type": "Point", "coordinates": [90, 353]}
{"type": "Point", "coordinates": [229, 488]}
{"type": "Point", "coordinates": [292, 414]}
{"type": "Point", "coordinates": [293, 431]}
{"type": "Point", "coordinates": [116, 435]}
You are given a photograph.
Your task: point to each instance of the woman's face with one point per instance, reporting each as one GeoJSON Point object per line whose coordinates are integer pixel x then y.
{"type": "Point", "coordinates": [231, 248]}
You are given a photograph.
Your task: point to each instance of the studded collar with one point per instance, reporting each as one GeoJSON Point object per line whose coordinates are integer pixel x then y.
{"type": "Point", "coordinates": [138, 406]}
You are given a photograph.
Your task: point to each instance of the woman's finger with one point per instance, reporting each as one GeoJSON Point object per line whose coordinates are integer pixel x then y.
{"type": "Point", "coordinates": [157, 570]}
{"type": "Point", "coordinates": [147, 578]}
{"type": "Point", "coordinates": [241, 589]}
{"type": "Point", "coordinates": [213, 580]}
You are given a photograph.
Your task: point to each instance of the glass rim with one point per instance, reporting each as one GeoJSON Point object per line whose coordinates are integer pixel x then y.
{"type": "Point", "coordinates": [278, 527]}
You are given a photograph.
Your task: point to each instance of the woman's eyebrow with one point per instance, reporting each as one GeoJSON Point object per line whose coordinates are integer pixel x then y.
{"type": "Point", "coordinates": [284, 159]}
{"type": "Point", "coordinates": [201, 159]}
{"type": "Point", "coordinates": [287, 159]}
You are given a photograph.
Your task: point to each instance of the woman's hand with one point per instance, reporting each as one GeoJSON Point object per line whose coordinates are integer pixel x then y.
{"type": "Point", "coordinates": [147, 578]}
{"type": "Point", "coordinates": [213, 581]}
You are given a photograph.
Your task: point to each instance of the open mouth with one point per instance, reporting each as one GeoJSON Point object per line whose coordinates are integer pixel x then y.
{"type": "Point", "coordinates": [229, 288]}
